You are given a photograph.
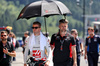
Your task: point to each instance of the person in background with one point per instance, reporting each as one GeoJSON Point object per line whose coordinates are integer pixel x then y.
{"type": "Point", "coordinates": [95, 30]}
{"type": "Point", "coordinates": [23, 46]}
{"type": "Point", "coordinates": [7, 50]}
{"type": "Point", "coordinates": [13, 41]}
{"type": "Point", "coordinates": [26, 35]}
{"type": "Point", "coordinates": [92, 48]}
{"type": "Point", "coordinates": [38, 45]}
{"type": "Point", "coordinates": [79, 45]}
{"type": "Point", "coordinates": [64, 46]}
{"type": "Point", "coordinates": [8, 31]}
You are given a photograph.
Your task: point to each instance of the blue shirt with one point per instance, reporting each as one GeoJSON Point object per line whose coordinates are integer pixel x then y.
{"type": "Point", "coordinates": [93, 43]}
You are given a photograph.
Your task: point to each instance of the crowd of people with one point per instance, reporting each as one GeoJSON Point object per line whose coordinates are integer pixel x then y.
{"type": "Point", "coordinates": [64, 47]}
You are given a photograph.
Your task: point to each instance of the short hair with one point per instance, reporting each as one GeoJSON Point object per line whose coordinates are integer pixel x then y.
{"type": "Point", "coordinates": [90, 28]}
{"type": "Point", "coordinates": [63, 21]}
{"type": "Point", "coordinates": [4, 32]}
{"type": "Point", "coordinates": [27, 32]}
{"type": "Point", "coordinates": [38, 23]}
{"type": "Point", "coordinates": [8, 30]}
{"type": "Point", "coordinates": [73, 30]}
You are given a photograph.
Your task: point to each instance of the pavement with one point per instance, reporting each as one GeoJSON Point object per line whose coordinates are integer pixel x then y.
{"type": "Point", "coordinates": [19, 59]}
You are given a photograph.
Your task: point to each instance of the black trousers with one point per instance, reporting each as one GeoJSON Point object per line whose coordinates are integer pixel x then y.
{"type": "Point", "coordinates": [5, 64]}
{"type": "Point", "coordinates": [66, 63]}
{"type": "Point", "coordinates": [92, 59]}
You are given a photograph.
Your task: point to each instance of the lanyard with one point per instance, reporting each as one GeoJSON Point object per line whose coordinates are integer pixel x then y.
{"type": "Point", "coordinates": [61, 47]}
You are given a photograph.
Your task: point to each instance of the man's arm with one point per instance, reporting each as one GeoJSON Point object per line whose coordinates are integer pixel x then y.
{"type": "Point", "coordinates": [85, 57]}
{"type": "Point", "coordinates": [26, 53]}
{"type": "Point", "coordinates": [81, 45]}
{"type": "Point", "coordinates": [13, 53]}
{"type": "Point", "coordinates": [49, 51]}
{"type": "Point", "coordinates": [74, 55]}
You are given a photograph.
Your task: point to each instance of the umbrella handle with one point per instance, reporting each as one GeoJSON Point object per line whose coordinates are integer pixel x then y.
{"type": "Point", "coordinates": [45, 25]}
{"type": "Point", "coordinates": [65, 16]}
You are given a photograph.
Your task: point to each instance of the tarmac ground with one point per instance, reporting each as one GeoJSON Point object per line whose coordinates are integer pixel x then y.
{"type": "Point", "coordinates": [19, 59]}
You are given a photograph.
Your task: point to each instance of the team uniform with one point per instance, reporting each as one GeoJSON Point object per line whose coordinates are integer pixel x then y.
{"type": "Point", "coordinates": [37, 52]}
{"type": "Point", "coordinates": [78, 43]}
{"type": "Point", "coordinates": [92, 44]}
{"type": "Point", "coordinates": [5, 60]}
{"type": "Point", "coordinates": [62, 53]}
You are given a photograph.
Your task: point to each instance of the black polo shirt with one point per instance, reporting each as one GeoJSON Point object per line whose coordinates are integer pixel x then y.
{"type": "Point", "coordinates": [93, 43]}
{"type": "Point", "coordinates": [10, 48]}
{"type": "Point", "coordinates": [62, 51]}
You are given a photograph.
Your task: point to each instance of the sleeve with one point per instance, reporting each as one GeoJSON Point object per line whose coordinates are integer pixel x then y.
{"type": "Point", "coordinates": [49, 51]}
{"type": "Point", "coordinates": [86, 42]}
{"type": "Point", "coordinates": [26, 52]}
{"type": "Point", "coordinates": [52, 40]}
{"type": "Point", "coordinates": [80, 41]}
{"type": "Point", "coordinates": [73, 41]}
{"type": "Point", "coordinates": [99, 40]}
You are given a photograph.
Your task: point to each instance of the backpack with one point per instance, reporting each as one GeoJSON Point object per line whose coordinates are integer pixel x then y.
{"type": "Point", "coordinates": [17, 44]}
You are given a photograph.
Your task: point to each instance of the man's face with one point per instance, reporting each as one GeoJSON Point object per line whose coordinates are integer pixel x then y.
{"type": "Point", "coordinates": [63, 27]}
{"type": "Point", "coordinates": [90, 31]}
{"type": "Point", "coordinates": [4, 36]}
{"type": "Point", "coordinates": [75, 34]}
{"type": "Point", "coordinates": [36, 29]}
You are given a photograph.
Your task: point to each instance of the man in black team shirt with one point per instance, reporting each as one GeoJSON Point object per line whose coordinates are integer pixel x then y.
{"type": "Point", "coordinates": [64, 46]}
{"type": "Point", "coordinates": [6, 50]}
{"type": "Point", "coordinates": [92, 47]}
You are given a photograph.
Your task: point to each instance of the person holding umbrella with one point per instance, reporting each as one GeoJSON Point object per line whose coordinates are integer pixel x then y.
{"type": "Point", "coordinates": [38, 45]}
{"type": "Point", "coordinates": [64, 46]}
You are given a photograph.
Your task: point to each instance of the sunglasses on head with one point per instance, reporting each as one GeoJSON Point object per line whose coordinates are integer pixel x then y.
{"type": "Point", "coordinates": [3, 35]}
{"type": "Point", "coordinates": [35, 27]}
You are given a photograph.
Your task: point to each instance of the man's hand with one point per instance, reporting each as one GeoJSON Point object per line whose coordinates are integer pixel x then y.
{"type": "Point", "coordinates": [47, 63]}
{"type": "Point", "coordinates": [85, 56]}
{"type": "Point", "coordinates": [23, 45]}
{"type": "Point", "coordinates": [82, 53]}
{"type": "Point", "coordinates": [74, 64]}
{"type": "Point", "coordinates": [25, 64]}
{"type": "Point", "coordinates": [5, 50]}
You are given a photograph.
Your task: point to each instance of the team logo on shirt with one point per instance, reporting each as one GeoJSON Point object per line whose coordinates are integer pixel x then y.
{"type": "Point", "coordinates": [89, 40]}
{"type": "Point", "coordinates": [37, 53]}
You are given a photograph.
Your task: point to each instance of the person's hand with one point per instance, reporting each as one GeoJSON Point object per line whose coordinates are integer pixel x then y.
{"type": "Point", "coordinates": [75, 64]}
{"type": "Point", "coordinates": [85, 56]}
{"type": "Point", "coordinates": [47, 63]}
{"type": "Point", "coordinates": [52, 47]}
{"type": "Point", "coordinates": [25, 64]}
{"type": "Point", "coordinates": [82, 53]}
{"type": "Point", "coordinates": [5, 50]}
{"type": "Point", "coordinates": [23, 45]}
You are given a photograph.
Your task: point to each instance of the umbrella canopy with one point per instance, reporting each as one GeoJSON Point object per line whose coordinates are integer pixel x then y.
{"type": "Point", "coordinates": [43, 8]}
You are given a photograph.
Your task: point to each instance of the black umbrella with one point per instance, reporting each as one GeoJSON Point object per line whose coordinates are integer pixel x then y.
{"type": "Point", "coordinates": [44, 9]}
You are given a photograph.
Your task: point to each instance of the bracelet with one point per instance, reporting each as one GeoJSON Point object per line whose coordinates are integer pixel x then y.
{"type": "Point", "coordinates": [7, 53]}
{"type": "Point", "coordinates": [81, 50]}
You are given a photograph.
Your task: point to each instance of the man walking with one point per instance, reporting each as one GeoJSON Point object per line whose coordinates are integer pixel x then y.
{"type": "Point", "coordinates": [38, 45]}
{"type": "Point", "coordinates": [92, 47]}
{"type": "Point", "coordinates": [64, 46]}
{"type": "Point", "coordinates": [79, 45]}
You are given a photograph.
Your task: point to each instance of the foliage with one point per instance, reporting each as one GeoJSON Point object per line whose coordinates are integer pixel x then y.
{"type": "Point", "coordinates": [10, 9]}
